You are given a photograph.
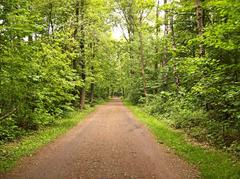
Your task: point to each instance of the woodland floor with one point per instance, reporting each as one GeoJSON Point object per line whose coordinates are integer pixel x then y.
{"type": "Point", "coordinates": [110, 143]}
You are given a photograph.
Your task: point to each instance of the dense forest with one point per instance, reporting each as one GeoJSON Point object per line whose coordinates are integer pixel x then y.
{"type": "Point", "coordinates": [178, 59]}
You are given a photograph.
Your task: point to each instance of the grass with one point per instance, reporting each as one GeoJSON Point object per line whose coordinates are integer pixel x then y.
{"type": "Point", "coordinates": [11, 153]}
{"type": "Point", "coordinates": [211, 163]}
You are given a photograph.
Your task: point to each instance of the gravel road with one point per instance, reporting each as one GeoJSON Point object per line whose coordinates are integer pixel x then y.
{"type": "Point", "coordinates": [109, 144]}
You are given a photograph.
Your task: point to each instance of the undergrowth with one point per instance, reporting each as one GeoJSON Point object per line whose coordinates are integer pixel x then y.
{"type": "Point", "coordinates": [211, 163]}
{"type": "Point", "coordinates": [11, 153]}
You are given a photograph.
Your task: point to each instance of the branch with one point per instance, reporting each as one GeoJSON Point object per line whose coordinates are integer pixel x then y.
{"type": "Point", "coordinates": [8, 114]}
{"type": "Point", "coordinates": [124, 35]}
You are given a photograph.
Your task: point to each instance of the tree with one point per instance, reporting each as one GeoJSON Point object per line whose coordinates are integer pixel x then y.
{"type": "Point", "coordinates": [59, 55]}
{"type": "Point", "coordinates": [200, 23]}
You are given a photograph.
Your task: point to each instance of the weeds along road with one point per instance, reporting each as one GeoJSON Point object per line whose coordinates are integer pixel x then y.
{"type": "Point", "coordinates": [110, 143]}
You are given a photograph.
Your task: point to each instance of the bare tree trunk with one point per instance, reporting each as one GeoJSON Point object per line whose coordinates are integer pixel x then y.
{"type": "Point", "coordinates": [131, 28]}
{"type": "Point", "coordinates": [157, 32]}
{"type": "Point", "coordinates": [128, 15]}
{"type": "Point", "coordinates": [92, 84]}
{"type": "Point", "coordinates": [76, 61]}
{"type": "Point", "coordinates": [156, 65]}
{"type": "Point", "coordinates": [82, 98]}
{"type": "Point", "coordinates": [92, 87]}
{"type": "Point", "coordinates": [51, 27]}
{"type": "Point", "coordinates": [82, 55]}
{"type": "Point", "coordinates": [200, 24]}
{"type": "Point", "coordinates": [76, 30]}
{"type": "Point", "coordinates": [165, 58]}
{"type": "Point", "coordinates": [175, 73]}
{"type": "Point", "coordinates": [142, 62]}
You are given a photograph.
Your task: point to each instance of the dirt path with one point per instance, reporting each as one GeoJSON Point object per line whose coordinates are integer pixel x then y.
{"type": "Point", "coordinates": [109, 144]}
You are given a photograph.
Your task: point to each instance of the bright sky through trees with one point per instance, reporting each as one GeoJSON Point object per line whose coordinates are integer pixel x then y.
{"type": "Point", "coordinates": [117, 33]}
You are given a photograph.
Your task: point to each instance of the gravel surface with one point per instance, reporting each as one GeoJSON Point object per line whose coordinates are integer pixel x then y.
{"type": "Point", "coordinates": [110, 143]}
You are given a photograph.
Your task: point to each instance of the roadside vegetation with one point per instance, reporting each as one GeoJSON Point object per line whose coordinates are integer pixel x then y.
{"type": "Point", "coordinates": [52, 62]}
{"type": "Point", "coordinates": [211, 163]}
{"type": "Point", "coordinates": [183, 65]}
{"type": "Point", "coordinates": [54, 66]}
{"type": "Point", "coordinates": [11, 153]}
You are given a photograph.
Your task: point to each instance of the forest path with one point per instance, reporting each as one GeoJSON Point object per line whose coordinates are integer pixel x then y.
{"type": "Point", "coordinates": [109, 144]}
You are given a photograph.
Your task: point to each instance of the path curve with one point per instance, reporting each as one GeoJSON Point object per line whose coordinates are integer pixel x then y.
{"type": "Point", "coordinates": [111, 143]}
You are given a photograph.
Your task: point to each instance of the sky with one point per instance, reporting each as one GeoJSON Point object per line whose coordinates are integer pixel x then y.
{"type": "Point", "coordinates": [117, 32]}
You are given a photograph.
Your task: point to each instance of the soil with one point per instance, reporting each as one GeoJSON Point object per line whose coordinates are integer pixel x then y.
{"type": "Point", "coordinates": [110, 143]}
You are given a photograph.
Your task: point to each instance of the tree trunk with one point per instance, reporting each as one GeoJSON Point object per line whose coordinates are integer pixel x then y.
{"type": "Point", "coordinates": [200, 25]}
{"type": "Point", "coordinates": [142, 62]}
{"type": "Point", "coordinates": [76, 31]}
{"type": "Point", "coordinates": [76, 61]}
{"type": "Point", "coordinates": [156, 65]}
{"type": "Point", "coordinates": [165, 50]}
{"type": "Point", "coordinates": [92, 84]}
{"type": "Point", "coordinates": [82, 55]}
{"type": "Point", "coordinates": [175, 73]}
{"type": "Point", "coordinates": [157, 33]}
{"type": "Point", "coordinates": [130, 24]}
{"type": "Point", "coordinates": [50, 27]}
{"type": "Point", "coordinates": [92, 87]}
{"type": "Point", "coordinates": [30, 38]}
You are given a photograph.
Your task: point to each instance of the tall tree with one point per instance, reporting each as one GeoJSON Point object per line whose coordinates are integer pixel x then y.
{"type": "Point", "coordinates": [141, 53]}
{"type": "Point", "coordinates": [82, 52]}
{"type": "Point", "coordinates": [200, 24]}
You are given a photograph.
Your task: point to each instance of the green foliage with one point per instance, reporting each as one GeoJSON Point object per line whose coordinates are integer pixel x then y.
{"type": "Point", "coordinates": [198, 93]}
{"type": "Point", "coordinates": [9, 130]}
{"type": "Point", "coordinates": [39, 83]}
{"type": "Point", "coordinates": [211, 163]}
{"type": "Point", "coordinates": [56, 55]}
{"type": "Point", "coordinates": [182, 112]}
{"type": "Point", "coordinates": [11, 153]}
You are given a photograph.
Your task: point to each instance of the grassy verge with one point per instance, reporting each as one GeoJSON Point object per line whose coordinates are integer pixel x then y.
{"type": "Point", "coordinates": [12, 152]}
{"type": "Point", "coordinates": [211, 163]}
